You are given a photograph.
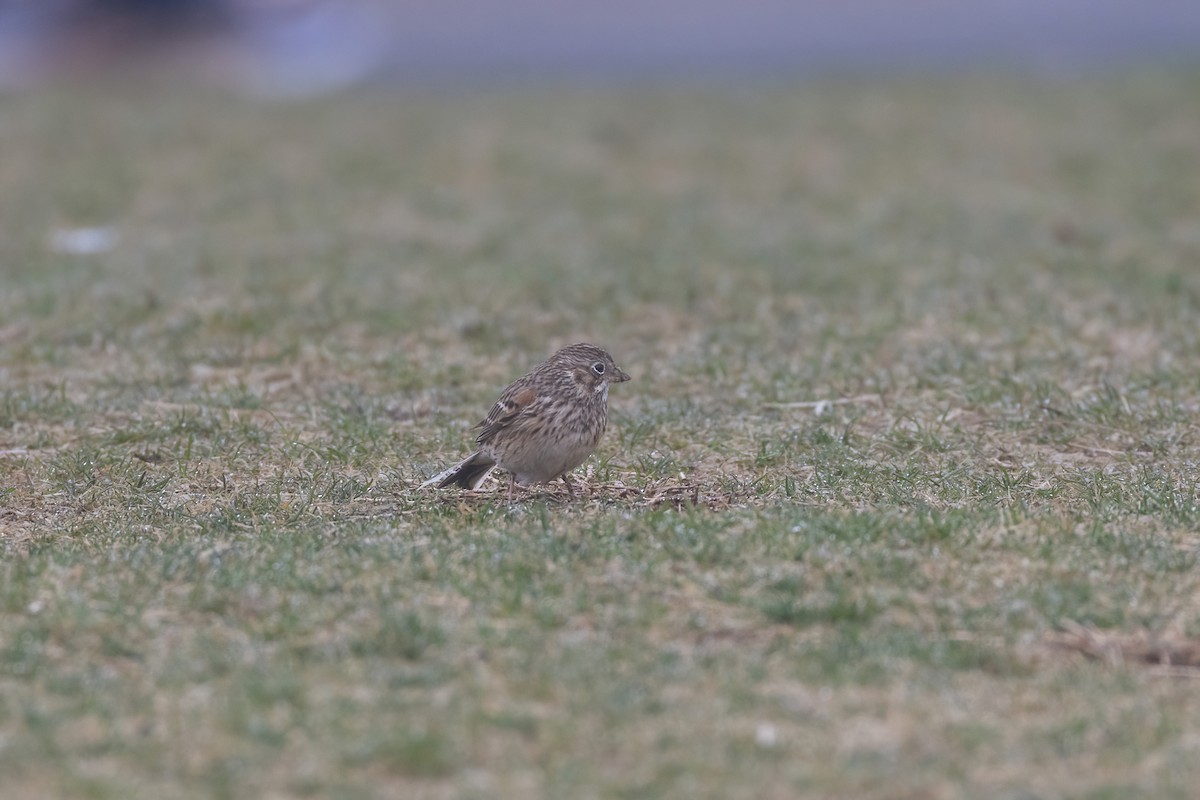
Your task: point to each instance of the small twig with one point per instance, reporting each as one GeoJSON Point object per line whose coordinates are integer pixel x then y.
{"type": "Point", "coordinates": [821, 405]}
{"type": "Point", "coordinates": [1171, 671]}
{"type": "Point", "coordinates": [1086, 448]}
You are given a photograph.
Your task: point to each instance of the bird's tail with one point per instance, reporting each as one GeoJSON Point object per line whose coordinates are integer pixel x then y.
{"type": "Point", "coordinates": [468, 473]}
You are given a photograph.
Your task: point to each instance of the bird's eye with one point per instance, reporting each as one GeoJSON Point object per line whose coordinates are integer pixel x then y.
{"type": "Point", "coordinates": [598, 368]}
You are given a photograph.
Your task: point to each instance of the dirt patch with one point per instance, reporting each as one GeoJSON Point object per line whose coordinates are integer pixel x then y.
{"type": "Point", "coordinates": [678, 494]}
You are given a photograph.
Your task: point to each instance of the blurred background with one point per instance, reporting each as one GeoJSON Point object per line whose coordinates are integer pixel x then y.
{"type": "Point", "coordinates": [304, 47]}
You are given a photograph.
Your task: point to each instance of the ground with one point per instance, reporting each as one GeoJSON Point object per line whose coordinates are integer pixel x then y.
{"type": "Point", "coordinates": [900, 502]}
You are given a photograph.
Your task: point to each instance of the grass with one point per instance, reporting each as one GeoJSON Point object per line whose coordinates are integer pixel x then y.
{"type": "Point", "coordinates": [901, 501]}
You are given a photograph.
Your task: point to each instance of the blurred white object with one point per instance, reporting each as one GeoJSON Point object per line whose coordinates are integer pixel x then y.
{"type": "Point", "coordinates": [84, 241]}
{"type": "Point", "coordinates": [765, 735]}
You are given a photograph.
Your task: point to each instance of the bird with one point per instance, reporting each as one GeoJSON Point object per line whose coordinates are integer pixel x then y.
{"type": "Point", "coordinates": [545, 423]}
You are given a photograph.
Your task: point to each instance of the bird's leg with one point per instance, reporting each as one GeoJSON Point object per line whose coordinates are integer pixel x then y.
{"type": "Point", "coordinates": [512, 485]}
{"type": "Point", "coordinates": [567, 483]}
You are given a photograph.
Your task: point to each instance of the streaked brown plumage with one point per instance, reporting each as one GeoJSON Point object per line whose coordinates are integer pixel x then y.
{"type": "Point", "coordinates": [545, 423]}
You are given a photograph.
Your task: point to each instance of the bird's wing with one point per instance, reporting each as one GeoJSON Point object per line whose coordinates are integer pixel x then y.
{"type": "Point", "coordinates": [515, 401]}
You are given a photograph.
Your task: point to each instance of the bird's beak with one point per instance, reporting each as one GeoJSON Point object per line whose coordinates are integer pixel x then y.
{"type": "Point", "coordinates": [621, 376]}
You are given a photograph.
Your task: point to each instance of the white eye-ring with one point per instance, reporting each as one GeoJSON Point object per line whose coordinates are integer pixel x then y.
{"type": "Point", "coordinates": [598, 368]}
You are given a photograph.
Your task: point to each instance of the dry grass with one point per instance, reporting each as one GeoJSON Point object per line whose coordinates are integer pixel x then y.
{"type": "Point", "coordinates": [1172, 654]}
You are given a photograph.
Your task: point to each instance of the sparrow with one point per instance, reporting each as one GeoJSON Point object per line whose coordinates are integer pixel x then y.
{"type": "Point", "coordinates": [545, 423]}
